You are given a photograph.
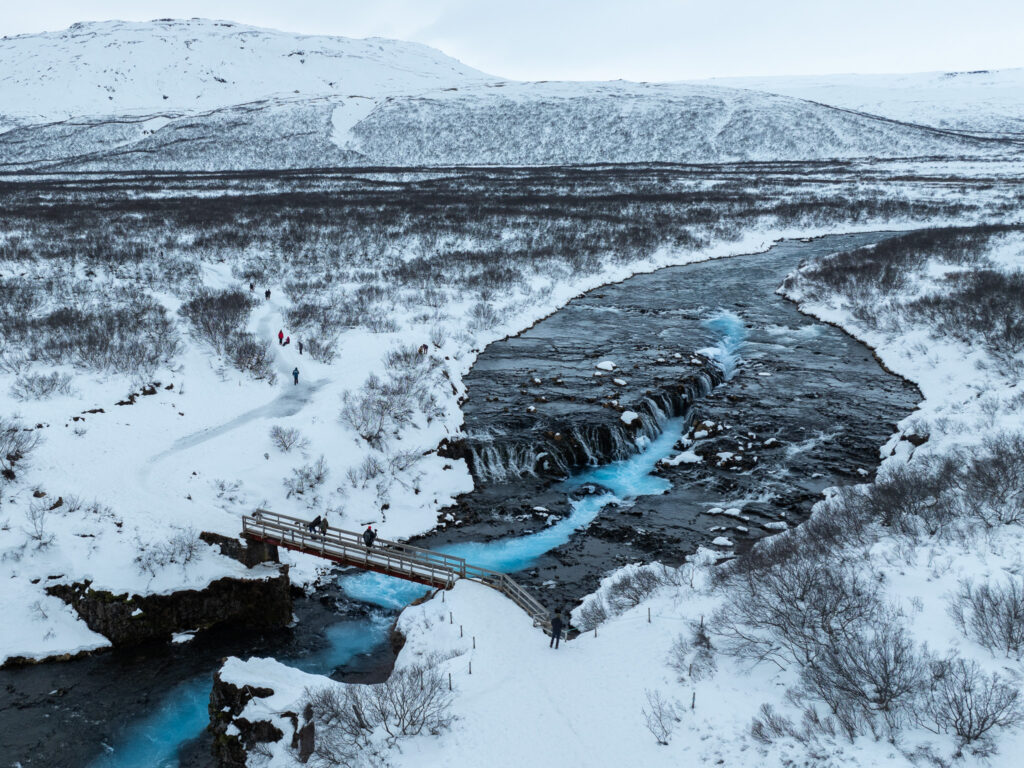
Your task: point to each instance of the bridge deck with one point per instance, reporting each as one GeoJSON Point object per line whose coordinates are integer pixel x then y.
{"type": "Point", "coordinates": [392, 558]}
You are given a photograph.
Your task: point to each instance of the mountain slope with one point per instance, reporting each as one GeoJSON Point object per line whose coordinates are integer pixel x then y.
{"type": "Point", "coordinates": [983, 102]}
{"type": "Point", "coordinates": [204, 95]}
{"type": "Point", "coordinates": [129, 68]}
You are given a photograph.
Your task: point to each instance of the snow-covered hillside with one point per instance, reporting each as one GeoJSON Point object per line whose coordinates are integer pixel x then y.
{"type": "Point", "coordinates": [182, 66]}
{"type": "Point", "coordinates": [207, 95]}
{"type": "Point", "coordinates": [983, 102]}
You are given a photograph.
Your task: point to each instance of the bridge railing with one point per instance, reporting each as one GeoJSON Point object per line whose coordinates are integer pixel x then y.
{"type": "Point", "coordinates": [394, 557]}
{"type": "Point", "coordinates": [264, 522]}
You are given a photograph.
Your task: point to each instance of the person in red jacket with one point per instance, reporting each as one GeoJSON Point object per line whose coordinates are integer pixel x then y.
{"type": "Point", "coordinates": [280, 337]}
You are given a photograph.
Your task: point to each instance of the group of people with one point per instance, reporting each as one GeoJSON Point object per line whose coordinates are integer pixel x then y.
{"type": "Point", "coordinates": [319, 523]}
{"type": "Point", "coordinates": [284, 341]}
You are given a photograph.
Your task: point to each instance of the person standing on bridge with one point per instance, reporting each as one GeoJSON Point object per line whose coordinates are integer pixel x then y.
{"type": "Point", "coordinates": [368, 536]}
{"type": "Point", "coordinates": [556, 630]}
{"type": "Point", "coordinates": [295, 374]}
{"type": "Point", "coordinates": [313, 524]}
{"type": "Point", "coordinates": [323, 526]}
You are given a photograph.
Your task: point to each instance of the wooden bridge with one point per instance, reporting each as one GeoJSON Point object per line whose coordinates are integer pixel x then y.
{"type": "Point", "coordinates": [392, 558]}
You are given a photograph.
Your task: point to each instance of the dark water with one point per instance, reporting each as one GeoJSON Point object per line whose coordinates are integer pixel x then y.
{"type": "Point", "coordinates": [818, 395]}
{"type": "Point", "coordinates": [808, 408]}
{"type": "Point", "coordinates": [146, 707]}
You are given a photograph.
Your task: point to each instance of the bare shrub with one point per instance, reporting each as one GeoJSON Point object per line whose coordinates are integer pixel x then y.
{"type": "Point", "coordinates": [323, 350]}
{"type": "Point", "coordinates": [307, 478]}
{"type": "Point", "coordinates": [592, 614]}
{"type": "Point", "coordinates": [992, 484]}
{"type": "Point", "coordinates": [693, 659]}
{"type": "Point", "coordinates": [287, 438]}
{"type": "Point", "coordinates": [483, 316]}
{"type": "Point", "coordinates": [414, 700]}
{"type": "Point", "coordinates": [969, 704]}
{"type": "Point", "coordinates": [217, 315]}
{"type": "Point", "coordinates": [250, 355]}
{"type": "Point", "coordinates": [869, 675]}
{"type": "Point", "coordinates": [16, 444]}
{"type": "Point", "coordinates": [660, 716]}
{"type": "Point", "coordinates": [770, 725]}
{"type": "Point", "coordinates": [39, 386]}
{"type": "Point", "coordinates": [632, 587]}
{"type": "Point", "coordinates": [794, 611]}
{"type": "Point", "coordinates": [379, 409]}
{"type": "Point", "coordinates": [36, 515]}
{"type": "Point", "coordinates": [992, 614]}
{"type": "Point", "coordinates": [180, 549]}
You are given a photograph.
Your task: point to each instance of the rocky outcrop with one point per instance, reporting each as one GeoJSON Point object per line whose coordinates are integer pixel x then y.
{"type": "Point", "coordinates": [231, 744]}
{"type": "Point", "coordinates": [127, 619]}
{"type": "Point", "coordinates": [250, 554]}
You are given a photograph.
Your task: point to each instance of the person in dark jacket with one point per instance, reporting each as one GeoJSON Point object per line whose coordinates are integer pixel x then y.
{"type": "Point", "coordinates": [323, 526]}
{"type": "Point", "coordinates": [313, 524]}
{"type": "Point", "coordinates": [300, 347]}
{"type": "Point", "coordinates": [252, 287]}
{"type": "Point", "coordinates": [556, 630]}
{"type": "Point", "coordinates": [295, 375]}
{"type": "Point", "coordinates": [368, 536]}
{"type": "Point", "coordinates": [267, 294]}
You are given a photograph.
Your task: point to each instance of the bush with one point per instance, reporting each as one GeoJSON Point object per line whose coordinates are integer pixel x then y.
{"type": "Point", "coordinates": [39, 386]}
{"type": "Point", "coordinates": [16, 444]}
{"type": "Point", "coordinates": [992, 614]}
{"type": "Point", "coordinates": [250, 355]}
{"type": "Point", "coordinates": [660, 715]}
{"type": "Point", "coordinates": [217, 315]}
{"type": "Point", "coordinates": [966, 702]}
{"type": "Point", "coordinates": [794, 611]}
{"type": "Point", "coordinates": [181, 549]}
{"type": "Point", "coordinates": [869, 674]}
{"type": "Point", "coordinates": [632, 587]}
{"type": "Point", "coordinates": [287, 438]}
{"type": "Point", "coordinates": [307, 478]}
{"type": "Point", "coordinates": [414, 700]}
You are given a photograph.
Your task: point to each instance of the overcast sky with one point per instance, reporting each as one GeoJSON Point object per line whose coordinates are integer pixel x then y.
{"type": "Point", "coordinates": [630, 39]}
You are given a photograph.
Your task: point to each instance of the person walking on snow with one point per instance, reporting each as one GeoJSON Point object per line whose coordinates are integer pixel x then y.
{"type": "Point", "coordinates": [295, 375]}
{"type": "Point", "coordinates": [368, 536]}
{"type": "Point", "coordinates": [556, 630]}
{"type": "Point", "coordinates": [266, 293]}
{"type": "Point", "coordinates": [280, 337]}
{"type": "Point", "coordinates": [252, 287]}
{"type": "Point", "coordinates": [300, 347]}
{"type": "Point", "coordinates": [288, 340]}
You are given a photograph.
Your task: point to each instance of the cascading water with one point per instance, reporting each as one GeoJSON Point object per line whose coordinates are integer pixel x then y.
{"type": "Point", "coordinates": [732, 334]}
{"type": "Point", "coordinates": [182, 714]}
{"type": "Point", "coordinates": [623, 480]}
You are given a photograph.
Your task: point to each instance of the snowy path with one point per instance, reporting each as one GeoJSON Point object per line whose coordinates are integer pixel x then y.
{"type": "Point", "coordinates": [292, 400]}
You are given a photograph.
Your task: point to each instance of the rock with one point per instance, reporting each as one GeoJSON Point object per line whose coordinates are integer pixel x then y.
{"type": "Point", "coordinates": [227, 702]}
{"type": "Point", "coordinates": [246, 602]}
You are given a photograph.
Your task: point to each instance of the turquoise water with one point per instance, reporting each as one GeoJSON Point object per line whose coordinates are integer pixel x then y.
{"type": "Point", "coordinates": [626, 479]}
{"type": "Point", "coordinates": [154, 740]}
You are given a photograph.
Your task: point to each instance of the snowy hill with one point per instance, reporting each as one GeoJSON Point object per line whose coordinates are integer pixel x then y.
{"type": "Point", "coordinates": [131, 68]}
{"type": "Point", "coordinates": [983, 102]}
{"type": "Point", "coordinates": [210, 95]}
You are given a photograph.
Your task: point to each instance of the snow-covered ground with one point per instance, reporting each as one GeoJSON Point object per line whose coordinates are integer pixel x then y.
{"type": "Point", "coordinates": [517, 702]}
{"type": "Point", "coordinates": [214, 95]}
{"type": "Point", "coordinates": [987, 102]}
